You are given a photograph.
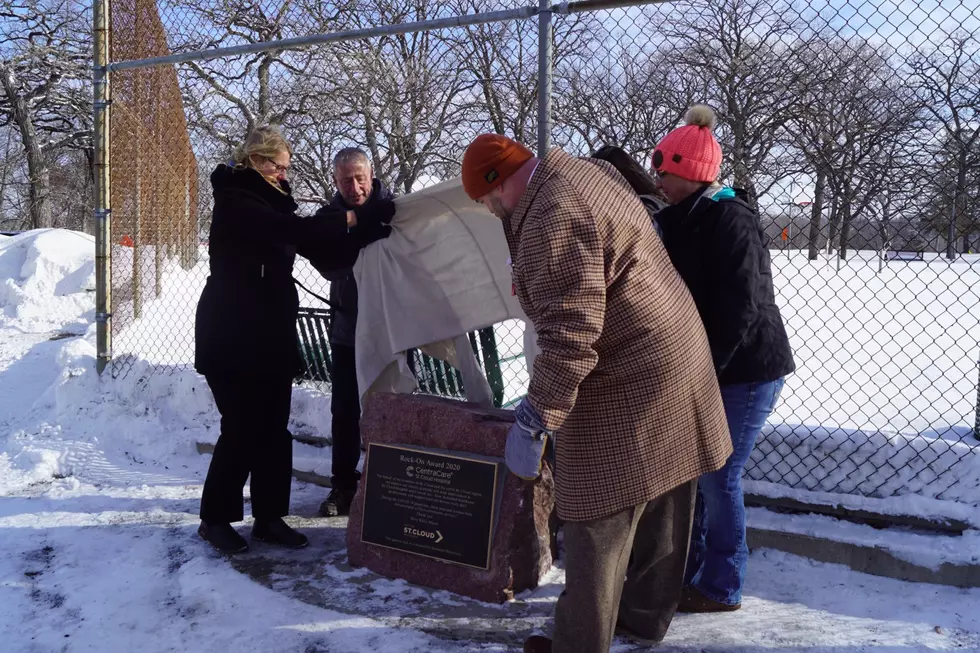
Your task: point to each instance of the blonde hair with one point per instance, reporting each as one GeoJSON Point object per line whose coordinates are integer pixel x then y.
{"type": "Point", "coordinates": [265, 141]}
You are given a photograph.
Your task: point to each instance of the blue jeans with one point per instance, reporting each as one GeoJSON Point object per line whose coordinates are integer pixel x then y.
{"type": "Point", "coordinates": [718, 555]}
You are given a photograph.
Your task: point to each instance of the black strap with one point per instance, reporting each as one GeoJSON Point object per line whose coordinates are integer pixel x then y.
{"type": "Point", "coordinates": [322, 299]}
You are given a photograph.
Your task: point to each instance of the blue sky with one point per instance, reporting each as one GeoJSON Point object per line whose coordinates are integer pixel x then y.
{"type": "Point", "coordinates": [899, 22]}
{"type": "Point", "coordinates": [903, 22]}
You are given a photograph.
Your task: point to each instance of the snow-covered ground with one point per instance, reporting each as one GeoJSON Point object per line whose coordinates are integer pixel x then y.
{"type": "Point", "coordinates": [890, 351]}
{"type": "Point", "coordinates": [99, 490]}
{"type": "Point", "coordinates": [884, 399]}
{"type": "Point", "coordinates": [883, 402]}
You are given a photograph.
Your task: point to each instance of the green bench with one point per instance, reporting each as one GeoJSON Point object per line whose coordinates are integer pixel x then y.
{"type": "Point", "coordinates": [433, 376]}
{"type": "Point", "coordinates": [312, 329]}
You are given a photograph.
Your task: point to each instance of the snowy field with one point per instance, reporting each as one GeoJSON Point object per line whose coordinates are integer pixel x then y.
{"type": "Point", "coordinates": [99, 490]}
{"type": "Point", "coordinates": [894, 351]}
{"type": "Point", "coordinates": [883, 403]}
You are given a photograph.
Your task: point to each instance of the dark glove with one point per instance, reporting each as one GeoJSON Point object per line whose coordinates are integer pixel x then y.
{"type": "Point", "coordinates": [376, 211]}
{"type": "Point", "coordinates": [365, 234]}
{"type": "Point", "coordinates": [327, 225]}
{"type": "Point", "coordinates": [526, 442]}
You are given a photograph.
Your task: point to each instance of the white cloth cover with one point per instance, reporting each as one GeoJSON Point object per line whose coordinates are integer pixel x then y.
{"type": "Point", "coordinates": [442, 273]}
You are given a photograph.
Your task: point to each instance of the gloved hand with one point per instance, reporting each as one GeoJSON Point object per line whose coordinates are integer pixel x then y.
{"type": "Point", "coordinates": [526, 442]}
{"type": "Point", "coordinates": [377, 211]}
{"type": "Point", "coordinates": [366, 234]}
{"type": "Point", "coordinates": [373, 221]}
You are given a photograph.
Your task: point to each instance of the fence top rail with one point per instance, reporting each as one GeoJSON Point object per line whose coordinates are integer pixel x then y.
{"type": "Point", "coordinates": [564, 8]}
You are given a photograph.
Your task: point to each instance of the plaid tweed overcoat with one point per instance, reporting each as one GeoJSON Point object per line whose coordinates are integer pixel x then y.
{"type": "Point", "coordinates": [624, 374]}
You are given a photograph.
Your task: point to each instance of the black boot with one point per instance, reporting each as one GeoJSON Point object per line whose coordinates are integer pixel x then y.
{"type": "Point", "coordinates": [276, 531]}
{"type": "Point", "coordinates": [337, 503]}
{"type": "Point", "coordinates": [222, 537]}
{"type": "Point", "coordinates": [538, 644]}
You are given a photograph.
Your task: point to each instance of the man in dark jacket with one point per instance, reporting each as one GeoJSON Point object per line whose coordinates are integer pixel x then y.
{"type": "Point", "coordinates": [356, 186]}
{"type": "Point", "coordinates": [715, 241]}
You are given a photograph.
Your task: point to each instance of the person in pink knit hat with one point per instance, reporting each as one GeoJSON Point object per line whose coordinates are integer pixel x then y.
{"type": "Point", "coordinates": [716, 242]}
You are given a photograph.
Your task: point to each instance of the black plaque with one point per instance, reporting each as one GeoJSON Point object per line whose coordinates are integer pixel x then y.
{"type": "Point", "coordinates": [436, 505]}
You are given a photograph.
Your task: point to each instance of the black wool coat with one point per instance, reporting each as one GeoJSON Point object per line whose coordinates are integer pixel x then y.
{"type": "Point", "coordinates": [246, 317]}
{"type": "Point", "coordinates": [718, 247]}
{"type": "Point", "coordinates": [343, 287]}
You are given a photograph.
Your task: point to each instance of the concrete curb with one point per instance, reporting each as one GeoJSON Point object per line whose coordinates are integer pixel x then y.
{"type": "Point", "coordinates": [866, 559]}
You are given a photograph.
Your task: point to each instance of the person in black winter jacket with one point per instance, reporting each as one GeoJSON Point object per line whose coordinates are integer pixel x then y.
{"type": "Point", "coordinates": [716, 243]}
{"type": "Point", "coordinates": [643, 184]}
{"type": "Point", "coordinates": [356, 187]}
{"type": "Point", "coordinates": [245, 330]}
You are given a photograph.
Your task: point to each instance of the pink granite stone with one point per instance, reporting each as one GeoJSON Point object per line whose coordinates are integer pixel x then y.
{"type": "Point", "coordinates": [521, 550]}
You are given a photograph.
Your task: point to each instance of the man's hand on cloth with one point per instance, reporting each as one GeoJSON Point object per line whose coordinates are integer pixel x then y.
{"type": "Point", "coordinates": [526, 442]}
{"type": "Point", "coordinates": [373, 220]}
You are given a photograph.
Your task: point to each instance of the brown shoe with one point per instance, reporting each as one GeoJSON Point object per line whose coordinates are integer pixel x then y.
{"type": "Point", "coordinates": [537, 644]}
{"type": "Point", "coordinates": [693, 601]}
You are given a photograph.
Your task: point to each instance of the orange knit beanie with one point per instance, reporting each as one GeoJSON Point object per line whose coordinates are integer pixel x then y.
{"type": "Point", "coordinates": [489, 160]}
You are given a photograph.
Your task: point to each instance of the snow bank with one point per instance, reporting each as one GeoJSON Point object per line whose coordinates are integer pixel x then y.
{"type": "Point", "coordinates": [95, 427]}
{"type": "Point", "coordinates": [84, 426]}
{"type": "Point", "coordinates": [924, 549]}
{"type": "Point", "coordinates": [872, 464]}
{"type": "Point", "coordinates": [48, 279]}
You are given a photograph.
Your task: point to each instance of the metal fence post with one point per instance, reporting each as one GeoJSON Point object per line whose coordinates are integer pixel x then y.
{"type": "Point", "coordinates": [103, 269]}
{"type": "Point", "coordinates": [137, 280]}
{"type": "Point", "coordinates": [545, 51]}
{"type": "Point", "coordinates": [976, 424]}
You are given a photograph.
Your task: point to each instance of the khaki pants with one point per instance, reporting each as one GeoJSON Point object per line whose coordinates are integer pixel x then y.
{"type": "Point", "coordinates": [647, 545]}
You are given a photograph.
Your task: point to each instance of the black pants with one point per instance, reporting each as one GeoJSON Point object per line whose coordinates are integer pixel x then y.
{"type": "Point", "coordinates": [254, 440]}
{"type": "Point", "coordinates": [345, 410]}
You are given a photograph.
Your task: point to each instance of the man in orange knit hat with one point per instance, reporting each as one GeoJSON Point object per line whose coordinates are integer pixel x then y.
{"type": "Point", "coordinates": [623, 383]}
{"type": "Point", "coordinates": [715, 241]}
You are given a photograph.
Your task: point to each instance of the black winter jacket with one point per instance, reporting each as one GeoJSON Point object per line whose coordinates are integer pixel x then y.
{"type": "Point", "coordinates": [246, 317]}
{"type": "Point", "coordinates": [717, 245]}
{"type": "Point", "coordinates": [343, 287]}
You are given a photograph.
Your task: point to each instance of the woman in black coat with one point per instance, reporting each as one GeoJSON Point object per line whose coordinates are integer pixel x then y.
{"type": "Point", "coordinates": [246, 330]}
{"type": "Point", "coordinates": [716, 243]}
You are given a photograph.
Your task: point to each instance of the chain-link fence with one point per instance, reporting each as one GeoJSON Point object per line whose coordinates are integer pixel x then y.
{"type": "Point", "coordinates": [853, 124]}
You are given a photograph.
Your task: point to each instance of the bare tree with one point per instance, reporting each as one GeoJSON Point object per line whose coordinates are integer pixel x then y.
{"type": "Point", "coordinates": [10, 163]}
{"type": "Point", "coordinates": [624, 99]}
{"type": "Point", "coordinates": [739, 48]}
{"type": "Point", "coordinates": [852, 122]}
{"type": "Point", "coordinates": [503, 60]}
{"type": "Point", "coordinates": [409, 94]}
{"type": "Point", "coordinates": [42, 63]}
{"type": "Point", "coordinates": [947, 82]}
{"type": "Point", "coordinates": [227, 98]}
{"type": "Point", "coordinates": [72, 190]}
